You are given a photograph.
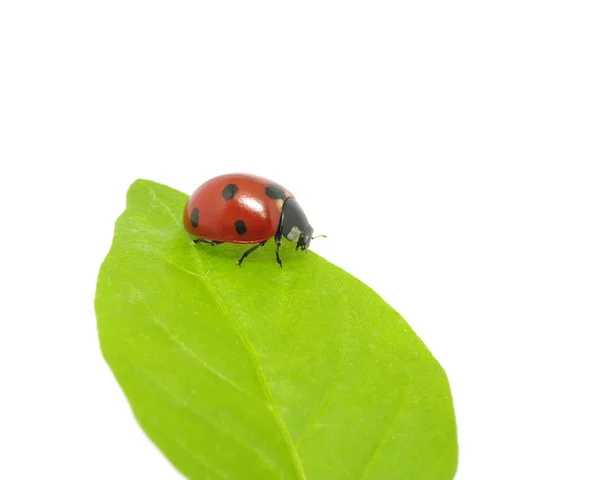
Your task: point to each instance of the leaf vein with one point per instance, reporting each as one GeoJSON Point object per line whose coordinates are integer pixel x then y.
{"type": "Point", "coordinates": [206, 419]}
{"type": "Point", "coordinates": [158, 200]}
{"type": "Point", "coordinates": [384, 439]}
{"type": "Point", "coordinates": [200, 362]}
{"type": "Point", "coordinates": [292, 451]}
{"type": "Point", "coordinates": [335, 385]}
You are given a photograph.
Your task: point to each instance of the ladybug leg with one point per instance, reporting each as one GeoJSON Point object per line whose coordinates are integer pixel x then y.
{"type": "Point", "coordinates": [278, 239]}
{"type": "Point", "coordinates": [278, 242]}
{"type": "Point", "coordinates": [201, 240]}
{"type": "Point", "coordinates": [196, 241]}
{"type": "Point", "coordinates": [248, 252]}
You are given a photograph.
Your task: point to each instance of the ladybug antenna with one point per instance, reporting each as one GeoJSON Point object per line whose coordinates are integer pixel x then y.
{"type": "Point", "coordinates": [319, 236]}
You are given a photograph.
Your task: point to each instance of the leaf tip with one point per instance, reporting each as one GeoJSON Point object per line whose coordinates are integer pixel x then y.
{"type": "Point", "coordinates": [141, 187]}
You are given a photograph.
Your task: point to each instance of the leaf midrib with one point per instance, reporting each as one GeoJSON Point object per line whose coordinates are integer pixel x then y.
{"type": "Point", "coordinates": [272, 407]}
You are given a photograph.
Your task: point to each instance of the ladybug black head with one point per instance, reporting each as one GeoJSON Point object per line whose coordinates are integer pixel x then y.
{"type": "Point", "coordinates": [294, 224]}
{"type": "Point", "coordinates": [305, 238]}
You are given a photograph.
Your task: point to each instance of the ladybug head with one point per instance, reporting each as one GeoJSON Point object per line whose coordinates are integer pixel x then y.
{"type": "Point", "coordinates": [295, 226]}
{"type": "Point", "coordinates": [304, 239]}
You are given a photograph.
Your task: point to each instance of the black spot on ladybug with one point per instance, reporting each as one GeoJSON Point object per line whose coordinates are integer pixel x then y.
{"type": "Point", "coordinates": [240, 227]}
{"type": "Point", "coordinates": [229, 191]}
{"type": "Point", "coordinates": [195, 217]}
{"type": "Point", "coordinates": [275, 192]}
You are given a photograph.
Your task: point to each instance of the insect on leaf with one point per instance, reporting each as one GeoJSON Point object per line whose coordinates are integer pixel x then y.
{"type": "Point", "coordinates": [259, 372]}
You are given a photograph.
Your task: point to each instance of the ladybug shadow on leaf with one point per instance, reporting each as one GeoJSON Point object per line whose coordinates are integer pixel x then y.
{"type": "Point", "coordinates": [263, 255]}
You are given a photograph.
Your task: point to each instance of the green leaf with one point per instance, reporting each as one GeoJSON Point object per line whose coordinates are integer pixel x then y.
{"type": "Point", "coordinates": [258, 372]}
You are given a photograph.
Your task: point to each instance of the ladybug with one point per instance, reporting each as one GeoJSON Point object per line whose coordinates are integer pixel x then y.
{"type": "Point", "coordinates": [246, 209]}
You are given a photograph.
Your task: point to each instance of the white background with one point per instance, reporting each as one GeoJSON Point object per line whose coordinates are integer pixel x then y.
{"type": "Point", "coordinates": [450, 150]}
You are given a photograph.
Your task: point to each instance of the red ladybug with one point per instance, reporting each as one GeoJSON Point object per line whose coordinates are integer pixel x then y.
{"type": "Point", "coordinates": [242, 208]}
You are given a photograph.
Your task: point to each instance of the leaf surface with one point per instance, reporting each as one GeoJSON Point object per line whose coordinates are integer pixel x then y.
{"type": "Point", "coordinates": [260, 372]}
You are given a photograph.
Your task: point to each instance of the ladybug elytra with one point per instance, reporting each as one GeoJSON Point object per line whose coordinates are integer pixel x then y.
{"type": "Point", "coordinates": [247, 209]}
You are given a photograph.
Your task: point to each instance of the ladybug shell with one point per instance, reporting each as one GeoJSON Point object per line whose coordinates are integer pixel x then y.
{"type": "Point", "coordinates": [235, 208]}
